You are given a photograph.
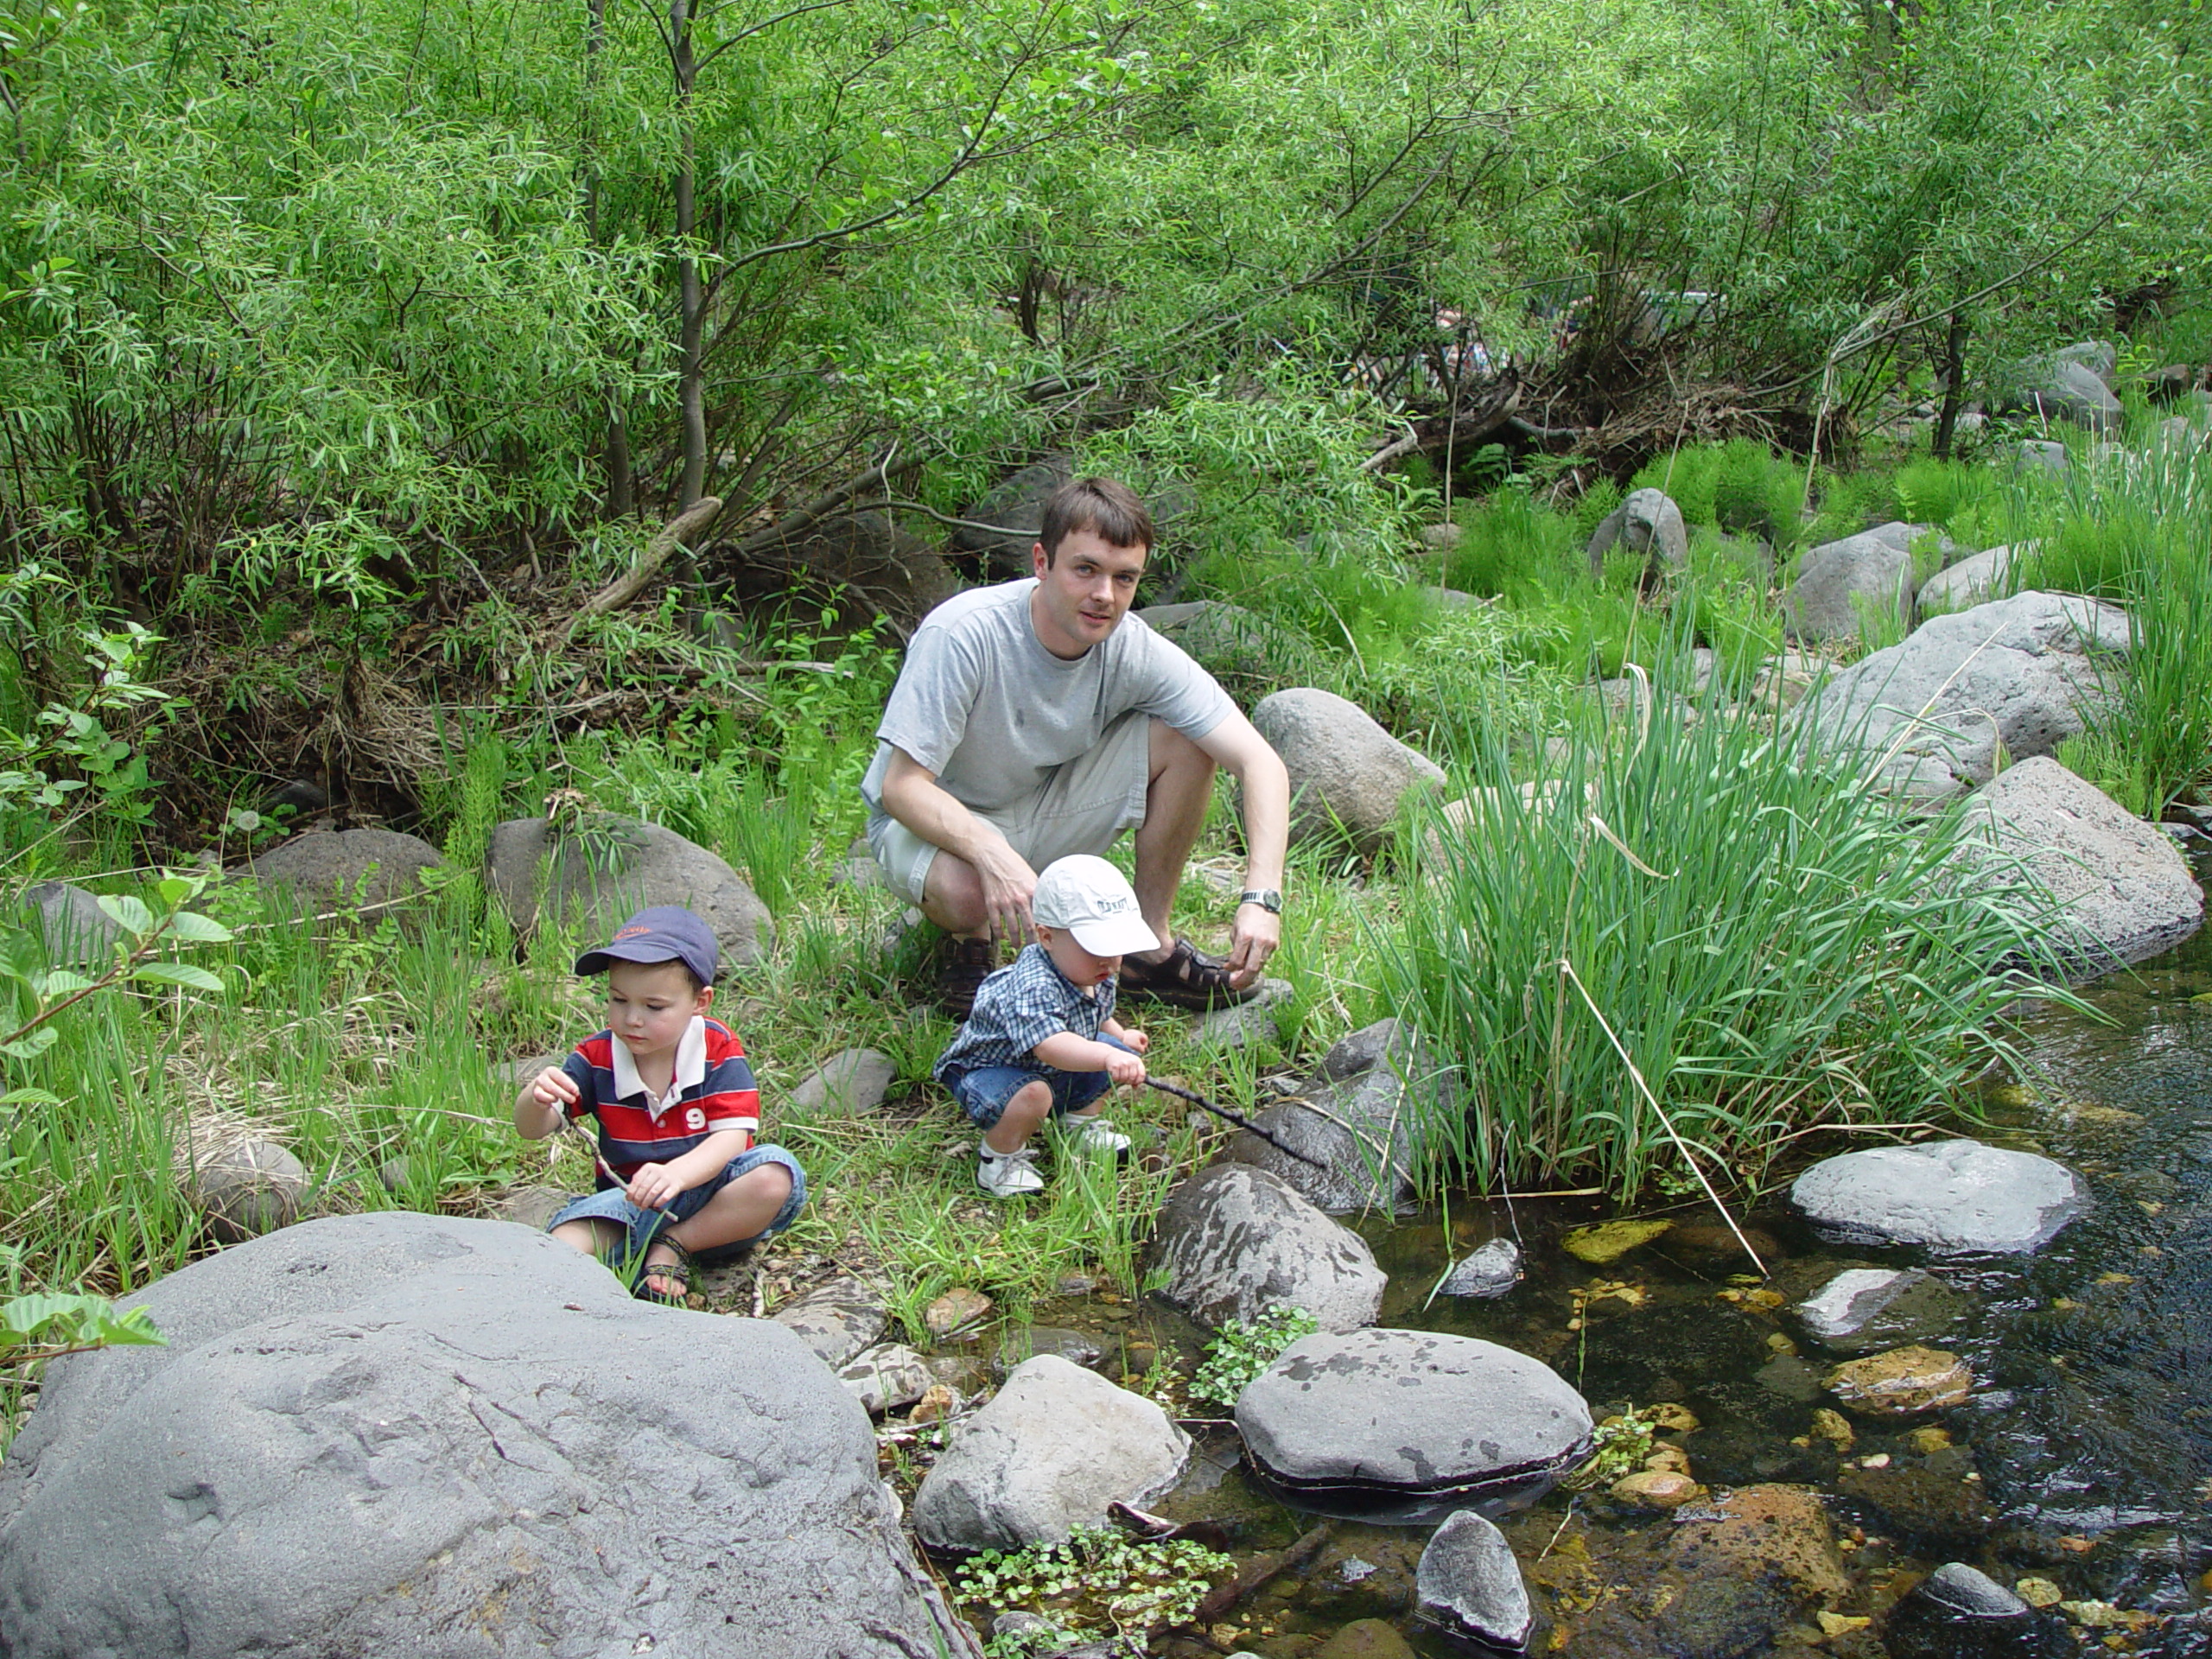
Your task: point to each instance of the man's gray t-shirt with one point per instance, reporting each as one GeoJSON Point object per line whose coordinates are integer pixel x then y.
{"type": "Point", "coordinates": [991, 712]}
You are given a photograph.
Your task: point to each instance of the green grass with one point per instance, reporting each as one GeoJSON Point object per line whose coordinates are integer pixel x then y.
{"type": "Point", "coordinates": [1770, 945]}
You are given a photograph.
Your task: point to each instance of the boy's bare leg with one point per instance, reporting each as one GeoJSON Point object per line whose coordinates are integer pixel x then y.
{"type": "Point", "coordinates": [600, 1238]}
{"type": "Point", "coordinates": [1031, 1105]}
{"type": "Point", "coordinates": [741, 1209]}
{"type": "Point", "coordinates": [1174, 811]}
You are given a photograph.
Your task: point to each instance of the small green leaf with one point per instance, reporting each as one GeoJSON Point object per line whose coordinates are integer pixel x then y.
{"type": "Point", "coordinates": [190, 925]}
{"type": "Point", "coordinates": [30, 1047]}
{"type": "Point", "coordinates": [129, 912]}
{"type": "Point", "coordinates": [29, 1097]}
{"type": "Point", "coordinates": [62, 981]}
{"type": "Point", "coordinates": [176, 973]}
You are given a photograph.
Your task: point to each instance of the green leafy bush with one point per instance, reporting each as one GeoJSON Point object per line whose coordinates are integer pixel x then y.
{"type": "Point", "coordinates": [1241, 1350]}
{"type": "Point", "coordinates": [1100, 1582]}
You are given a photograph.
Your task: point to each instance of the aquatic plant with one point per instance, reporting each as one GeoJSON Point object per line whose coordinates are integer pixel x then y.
{"type": "Point", "coordinates": [1241, 1350]}
{"type": "Point", "coordinates": [1691, 941]}
{"type": "Point", "coordinates": [1100, 1581]}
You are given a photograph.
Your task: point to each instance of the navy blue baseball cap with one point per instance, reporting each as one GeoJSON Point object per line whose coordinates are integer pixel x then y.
{"type": "Point", "coordinates": [659, 933]}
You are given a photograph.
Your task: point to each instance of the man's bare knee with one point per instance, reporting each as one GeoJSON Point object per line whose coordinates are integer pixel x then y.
{"type": "Point", "coordinates": [952, 894]}
{"type": "Point", "coordinates": [1171, 751]}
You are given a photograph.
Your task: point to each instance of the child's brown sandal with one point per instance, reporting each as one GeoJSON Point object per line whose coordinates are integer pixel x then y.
{"type": "Point", "coordinates": [677, 1272]}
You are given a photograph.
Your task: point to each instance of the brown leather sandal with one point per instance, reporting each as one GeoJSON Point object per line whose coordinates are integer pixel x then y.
{"type": "Point", "coordinates": [1185, 978]}
{"type": "Point", "coordinates": [665, 1282]}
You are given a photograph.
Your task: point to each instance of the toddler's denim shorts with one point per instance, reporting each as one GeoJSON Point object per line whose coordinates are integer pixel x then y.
{"type": "Point", "coordinates": [612, 1203]}
{"type": "Point", "coordinates": [984, 1090]}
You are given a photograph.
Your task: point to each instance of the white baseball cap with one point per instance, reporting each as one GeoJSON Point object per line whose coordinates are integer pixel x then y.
{"type": "Point", "coordinates": [1092, 899]}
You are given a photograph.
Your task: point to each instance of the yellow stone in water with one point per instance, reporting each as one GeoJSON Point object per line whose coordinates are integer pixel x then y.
{"type": "Point", "coordinates": [1657, 1488]}
{"type": "Point", "coordinates": [1842, 1623]}
{"type": "Point", "coordinates": [2115, 1278]}
{"type": "Point", "coordinates": [1612, 1240]}
{"type": "Point", "coordinates": [2091, 1615]}
{"type": "Point", "coordinates": [1927, 1441]}
{"type": "Point", "coordinates": [2011, 1094]}
{"type": "Point", "coordinates": [1664, 1456]}
{"type": "Point", "coordinates": [1903, 1381]}
{"type": "Point", "coordinates": [1675, 1420]}
{"type": "Point", "coordinates": [1780, 1344]}
{"type": "Point", "coordinates": [2038, 1593]}
{"type": "Point", "coordinates": [1832, 1426]}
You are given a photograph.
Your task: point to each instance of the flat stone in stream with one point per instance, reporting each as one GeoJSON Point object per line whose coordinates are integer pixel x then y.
{"type": "Point", "coordinates": [1469, 1584]}
{"type": "Point", "coordinates": [1862, 1309]}
{"type": "Point", "coordinates": [1954, 1197]}
{"type": "Point", "coordinates": [1488, 1273]}
{"type": "Point", "coordinates": [1400, 1428]}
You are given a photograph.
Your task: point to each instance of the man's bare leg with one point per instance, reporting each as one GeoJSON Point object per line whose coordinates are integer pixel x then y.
{"type": "Point", "coordinates": [1174, 811]}
{"type": "Point", "coordinates": [952, 897]}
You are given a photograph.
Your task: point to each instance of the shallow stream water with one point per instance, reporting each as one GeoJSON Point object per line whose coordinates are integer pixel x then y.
{"type": "Point", "coordinates": [2079, 1458]}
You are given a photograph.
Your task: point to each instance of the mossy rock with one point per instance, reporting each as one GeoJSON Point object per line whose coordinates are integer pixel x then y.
{"type": "Point", "coordinates": [1610, 1241]}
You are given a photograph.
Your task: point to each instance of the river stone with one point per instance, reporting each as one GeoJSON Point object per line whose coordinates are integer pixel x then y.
{"type": "Point", "coordinates": [1927, 1502]}
{"type": "Point", "coordinates": [603, 870]}
{"type": "Point", "coordinates": [886, 1377]}
{"type": "Point", "coordinates": [1364, 1638]}
{"type": "Point", "coordinates": [2058, 388]}
{"type": "Point", "coordinates": [363, 870]}
{"type": "Point", "coordinates": [836, 1320]}
{"type": "Point", "coordinates": [2124, 889]}
{"type": "Point", "coordinates": [1489, 1272]}
{"type": "Point", "coordinates": [1956, 1197]}
{"type": "Point", "coordinates": [1469, 1587]}
{"type": "Point", "coordinates": [2042, 456]}
{"type": "Point", "coordinates": [71, 922]}
{"type": "Point", "coordinates": [1971, 581]}
{"type": "Point", "coordinates": [848, 1084]}
{"type": "Point", "coordinates": [1366, 1134]}
{"type": "Point", "coordinates": [1864, 1308]}
{"type": "Point", "coordinates": [2025, 672]}
{"type": "Point", "coordinates": [1054, 1447]}
{"type": "Point", "coordinates": [1025, 1342]}
{"type": "Point", "coordinates": [1655, 1489]}
{"type": "Point", "coordinates": [1241, 1024]}
{"type": "Point", "coordinates": [1836, 581]}
{"type": "Point", "coordinates": [402, 1433]}
{"type": "Point", "coordinates": [248, 1188]}
{"type": "Point", "coordinates": [1648, 523]}
{"type": "Point", "coordinates": [1014, 507]}
{"type": "Point", "coordinates": [1776, 1533]}
{"type": "Point", "coordinates": [1348, 776]}
{"type": "Point", "coordinates": [1401, 1426]}
{"type": "Point", "coordinates": [1903, 1382]}
{"type": "Point", "coordinates": [1968, 1592]}
{"type": "Point", "coordinates": [1234, 1241]}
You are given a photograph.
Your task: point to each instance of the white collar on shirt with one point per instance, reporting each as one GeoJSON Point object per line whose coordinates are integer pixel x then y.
{"type": "Point", "coordinates": [690, 1068]}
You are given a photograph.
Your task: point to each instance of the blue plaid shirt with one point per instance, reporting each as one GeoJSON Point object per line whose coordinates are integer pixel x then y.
{"type": "Point", "coordinates": [1018, 1007]}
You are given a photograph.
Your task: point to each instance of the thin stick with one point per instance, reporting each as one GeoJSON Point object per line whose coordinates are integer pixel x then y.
{"type": "Point", "coordinates": [1238, 1118]}
{"type": "Point", "coordinates": [1650, 1100]}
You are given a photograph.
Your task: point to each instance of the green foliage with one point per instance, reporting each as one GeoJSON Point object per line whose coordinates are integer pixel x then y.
{"type": "Point", "coordinates": [47, 1325]}
{"type": "Point", "coordinates": [1510, 547]}
{"type": "Point", "coordinates": [1741, 486]}
{"type": "Point", "coordinates": [1767, 942]}
{"type": "Point", "coordinates": [1241, 1350]}
{"type": "Point", "coordinates": [1100, 1582]}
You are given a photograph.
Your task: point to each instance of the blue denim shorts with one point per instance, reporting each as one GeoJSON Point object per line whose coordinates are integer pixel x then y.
{"type": "Point", "coordinates": [611, 1203]}
{"type": "Point", "coordinates": [984, 1090]}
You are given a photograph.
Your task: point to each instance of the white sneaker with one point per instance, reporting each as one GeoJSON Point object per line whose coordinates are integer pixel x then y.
{"type": "Point", "coordinates": [1008, 1174]}
{"type": "Point", "coordinates": [1095, 1137]}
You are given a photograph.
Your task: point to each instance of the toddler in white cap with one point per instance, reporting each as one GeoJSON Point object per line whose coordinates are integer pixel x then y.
{"type": "Point", "coordinates": [1042, 1041]}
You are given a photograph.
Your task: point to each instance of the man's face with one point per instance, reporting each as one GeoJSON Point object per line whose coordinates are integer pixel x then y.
{"type": "Point", "coordinates": [1083, 591]}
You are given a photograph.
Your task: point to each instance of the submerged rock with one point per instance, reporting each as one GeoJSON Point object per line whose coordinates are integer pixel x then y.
{"type": "Point", "coordinates": [1026, 1342]}
{"type": "Point", "coordinates": [1610, 1241]}
{"type": "Point", "coordinates": [1400, 1426]}
{"type": "Point", "coordinates": [1053, 1448]}
{"type": "Point", "coordinates": [1903, 1382]}
{"type": "Point", "coordinates": [1469, 1585]}
{"type": "Point", "coordinates": [1956, 1197]}
{"type": "Point", "coordinates": [1970, 1593]}
{"type": "Point", "coordinates": [1864, 1308]}
{"type": "Point", "coordinates": [1777, 1533]}
{"type": "Point", "coordinates": [1489, 1273]}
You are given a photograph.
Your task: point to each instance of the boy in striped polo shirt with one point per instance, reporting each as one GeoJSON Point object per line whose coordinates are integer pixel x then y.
{"type": "Point", "coordinates": [676, 1109]}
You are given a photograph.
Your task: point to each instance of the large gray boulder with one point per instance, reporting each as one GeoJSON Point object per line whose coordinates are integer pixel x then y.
{"type": "Point", "coordinates": [1971, 582]}
{"type": "Point", "coordinates": [1400, 1425]}
{"type": "Point", "coordinates": [1014, 508]}
{"type": "Point", "coordinates": [2024, 671]}
{"type": "Point", "coordinates": [1234, 1241]}
{"type": "Point", "coordinates": [2058, 388]}
{"type": "Point", "coordinates": [1954, 1197]}
{"type": "Point", "coordinates": [1841, 584]}
{"type": "Point", "coordinates": [70, 923]}
{"type": "Point", "coordinates": [2123, 890]}
{"type": "Point", "coordinates": [1469, 1587]}
{"type": "Point", "coordinates": [1363, 1129]}
{"type": "Point", "coordinates": [600, 872]}
{"type": "Point", "coordinates": [850, 1082]}
{"type": "Point", "coordinates": [1648, 523]}
{"type": "Point", "coordinates": [1054, 1447]}
{"type": "Point", "coordinates": [404, 1434]}
{"type": "Point", "coordinates": [370, 870]}
{"type": "Point", "coordinates": [1347, 774]}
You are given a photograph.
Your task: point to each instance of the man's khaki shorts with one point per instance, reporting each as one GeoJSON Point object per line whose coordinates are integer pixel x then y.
{"type": "Point", "coordinates": [1082, 808]}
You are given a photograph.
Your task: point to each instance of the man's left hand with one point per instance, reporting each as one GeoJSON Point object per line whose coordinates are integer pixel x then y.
{"type": "Point", "coordinates": [1258, 931]}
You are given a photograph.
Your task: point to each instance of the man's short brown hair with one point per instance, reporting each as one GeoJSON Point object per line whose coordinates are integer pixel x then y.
{"type": "Point", "coordinates": [1109, 511]}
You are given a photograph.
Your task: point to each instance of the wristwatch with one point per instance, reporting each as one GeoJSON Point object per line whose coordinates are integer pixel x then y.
{"type": "Point", "coordinates": [1267, 899]}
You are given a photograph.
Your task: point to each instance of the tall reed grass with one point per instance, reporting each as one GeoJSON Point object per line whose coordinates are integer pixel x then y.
{"type": "Point", "coordinates": [1766, 942]}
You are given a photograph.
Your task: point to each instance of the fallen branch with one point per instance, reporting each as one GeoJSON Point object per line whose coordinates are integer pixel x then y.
{"type": "Point", "coordinates": [684, 530]}
{"type": "Point", "coordinates": [1257, 1571]}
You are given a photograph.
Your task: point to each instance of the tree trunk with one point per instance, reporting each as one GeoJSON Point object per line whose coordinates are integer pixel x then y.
{"type": "Point", "coordinates": [1955, 375]}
